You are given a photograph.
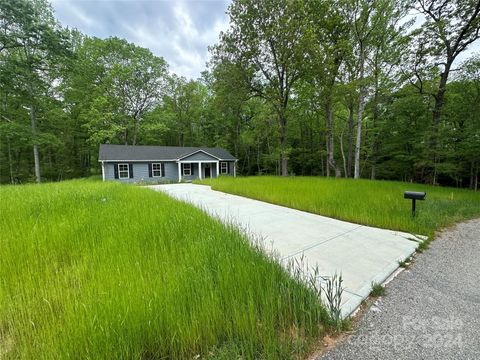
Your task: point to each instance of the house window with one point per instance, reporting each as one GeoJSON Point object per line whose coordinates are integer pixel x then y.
{"type": "Point", "coordinates": [187, 169]}
{"type": "Point", "coordinates": [123, 172]}
{"type": "Point", "coordinates": [157, 170]}
{"type": "Point", "coordinates": [223, 167]}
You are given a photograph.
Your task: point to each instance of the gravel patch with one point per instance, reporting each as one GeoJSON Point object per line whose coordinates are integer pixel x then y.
{"type": "Point", "coordinates": [430, 311]}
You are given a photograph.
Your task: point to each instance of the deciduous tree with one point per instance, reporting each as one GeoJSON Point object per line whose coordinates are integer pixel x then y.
{"type": "Point", "coordinates": [266, 39]}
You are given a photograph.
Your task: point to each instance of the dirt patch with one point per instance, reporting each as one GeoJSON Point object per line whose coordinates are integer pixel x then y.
{"type": "Point", "coordinates": [6, 345]}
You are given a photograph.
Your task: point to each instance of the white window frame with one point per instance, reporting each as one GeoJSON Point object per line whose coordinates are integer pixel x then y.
{"type": "Point", "coordinates": [189, 168]}
{"type": "Point", "coordinates": [122, 171]}
{"type": "Point", "coordinates": [159, 170]}
{"type": "Point", "coordinates": [223, 170]}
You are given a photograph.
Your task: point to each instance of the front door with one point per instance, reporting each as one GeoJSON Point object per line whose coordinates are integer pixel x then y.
{"type": "Point", "coordinates": [207, 171]}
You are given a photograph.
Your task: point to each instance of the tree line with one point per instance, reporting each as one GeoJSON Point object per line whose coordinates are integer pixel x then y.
{"type": "Point", "coordinates": [377, 89]}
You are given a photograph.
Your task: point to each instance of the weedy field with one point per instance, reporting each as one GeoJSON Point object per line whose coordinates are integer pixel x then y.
{"type": "Point", "coordinates": [375, 203]}
{"type": "Point", "coordinates": [93, 270]}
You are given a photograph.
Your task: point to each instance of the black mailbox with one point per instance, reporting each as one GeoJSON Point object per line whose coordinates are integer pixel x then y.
{"type": "Point", "coordinates": [414, 195]}
{"type": "Point", "coordinates": [417, 195]}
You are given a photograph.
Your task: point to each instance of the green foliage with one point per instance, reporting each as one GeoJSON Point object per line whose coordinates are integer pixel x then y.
{"type": "Point", "coordinates": [33, 53]}
{"type": "Point", "coordinates": [377, 290]}
{"type": "Point", "coordinates": [374, 203]}
{"type": "Point", "coordinates": [105, 270]}
{"type": "Point", "coordinates": [423, 246]}
{"type": "Point", "coordinates": [123, 82]}
{"type": "Point", "coordinates": [265, 40]}
{"type": "Point", "coordinates": [283, 91]}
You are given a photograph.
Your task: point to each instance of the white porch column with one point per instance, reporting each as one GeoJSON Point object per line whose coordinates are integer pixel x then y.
{"type": "Point", "coordinates": [235, 168]}
{"type": "Point", "coordinates": [200, 170]}
{"type": "Point", "coordinates": [217, 166]}
{"type": "Point", "coordinates": [179, 172]}
{"type": "Point", "coordinates": [103, 171]}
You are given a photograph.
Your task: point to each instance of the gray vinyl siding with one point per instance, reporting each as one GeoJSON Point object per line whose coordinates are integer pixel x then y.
{"type": "Point", "coordinates": [199, 156]}
{"type": "Point", "coordinates": [141, 173]}
{"type": "Point", "coordinates": [231, 165]}
{"type": "Point", "coordinates": [171, 171]}
{"type": "Point", "coordinates": [194, 166]}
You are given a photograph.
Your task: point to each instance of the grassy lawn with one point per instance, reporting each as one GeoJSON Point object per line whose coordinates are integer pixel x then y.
{"type": "Point", "coordinates": [374, 203]}
{"type": "Point", "coordinates": [92, 270]}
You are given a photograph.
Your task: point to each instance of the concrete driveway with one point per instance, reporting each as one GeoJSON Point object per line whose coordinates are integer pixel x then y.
{"type": "Point", "coordinates": [360, 253]}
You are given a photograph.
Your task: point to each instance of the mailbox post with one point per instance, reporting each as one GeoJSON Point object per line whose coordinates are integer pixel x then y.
{"type": "Point", "coordinates": [414, 195]}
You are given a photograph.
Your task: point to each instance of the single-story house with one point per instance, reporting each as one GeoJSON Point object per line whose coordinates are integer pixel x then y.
{"type": "Point", "coordinates": [129, 163]}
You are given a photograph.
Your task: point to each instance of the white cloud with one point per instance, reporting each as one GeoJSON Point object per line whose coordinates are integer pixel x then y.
{"type": "Point", "coordinates": [179, 31]}
{"type": "Point", "coordinates": [74, 11]}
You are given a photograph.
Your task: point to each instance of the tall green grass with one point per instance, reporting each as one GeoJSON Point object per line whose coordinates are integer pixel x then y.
{"type": "Point", "coordinates": [374, 203]}
{"type": "Point", "coordinates": [93, 270]}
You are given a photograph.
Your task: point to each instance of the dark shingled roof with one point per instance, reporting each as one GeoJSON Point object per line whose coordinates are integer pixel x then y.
{"type": "Point", "coordinates": [109, 152]}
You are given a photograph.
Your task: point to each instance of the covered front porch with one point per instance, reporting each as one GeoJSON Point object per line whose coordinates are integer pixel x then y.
{"type": "Point", "coordinates": [203, 169]}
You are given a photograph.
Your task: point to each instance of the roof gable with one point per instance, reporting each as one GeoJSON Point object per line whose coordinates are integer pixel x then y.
{"type": "Point", "coordinates": [198, 155]}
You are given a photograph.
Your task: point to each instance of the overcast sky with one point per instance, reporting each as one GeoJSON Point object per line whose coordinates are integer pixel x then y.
{"type": "Point", "coordinates": [178, 30]}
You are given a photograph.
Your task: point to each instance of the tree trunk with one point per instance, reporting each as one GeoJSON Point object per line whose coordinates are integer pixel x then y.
{"type": "Point", "coordinates": [283, 145]}
{"type": "Point", "coordinates": [284, 165]}
{"type": "Point", "coordinates": [36, 157]}
{"type": "Point", "coordinates": [236, 138]}
{"type": "Point", "coordinates": [328, 166]}
{"type": "Point", "coordinates": [33, 119]}
{"type": "Point", "coordinates": [9, 148]}
{"type": "Point", "coordinates": [376, 133]}
{"type": "Point", "coordinates": [474, 176]}
{"type": "Point", "coordinates": [343, 155]}
{"type": "Point", "coordinates": [472, 166]}
{"type": "Point", "coordinates": [258, 159]}
{"type": "Point", "coordinates": [329, 138]}
{"type": "Point", "coordinates": [476, 179]}
{"type": "Point", "coordinates": [10, 164]}
{"type": "Point", "coordinates": [135, 131]}
{"type": "Point", "coordinates": [351, 128]}
{"type": "Point", "coordinates": [361, 108]}
{"type": "Point", "coordinates": [436, 117]}
{"type": "Point", "coordinates": [440, 96]}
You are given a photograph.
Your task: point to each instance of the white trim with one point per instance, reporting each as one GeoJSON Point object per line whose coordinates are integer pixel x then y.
{"type": "Point", "coordinates": [189, 169]}
{"type": "Point", "coordinates": [197, 151]}
{"type": "Point", "coordinates": [128, 171]}
{"type": "Point", "coordinates": [197, 161]}
{"type": "Point", "coordinates": [153, 170]}
{"type": "Point", "coordinates": [179, 172]}
{"type": "Point", "coordinates": [103, 171]}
